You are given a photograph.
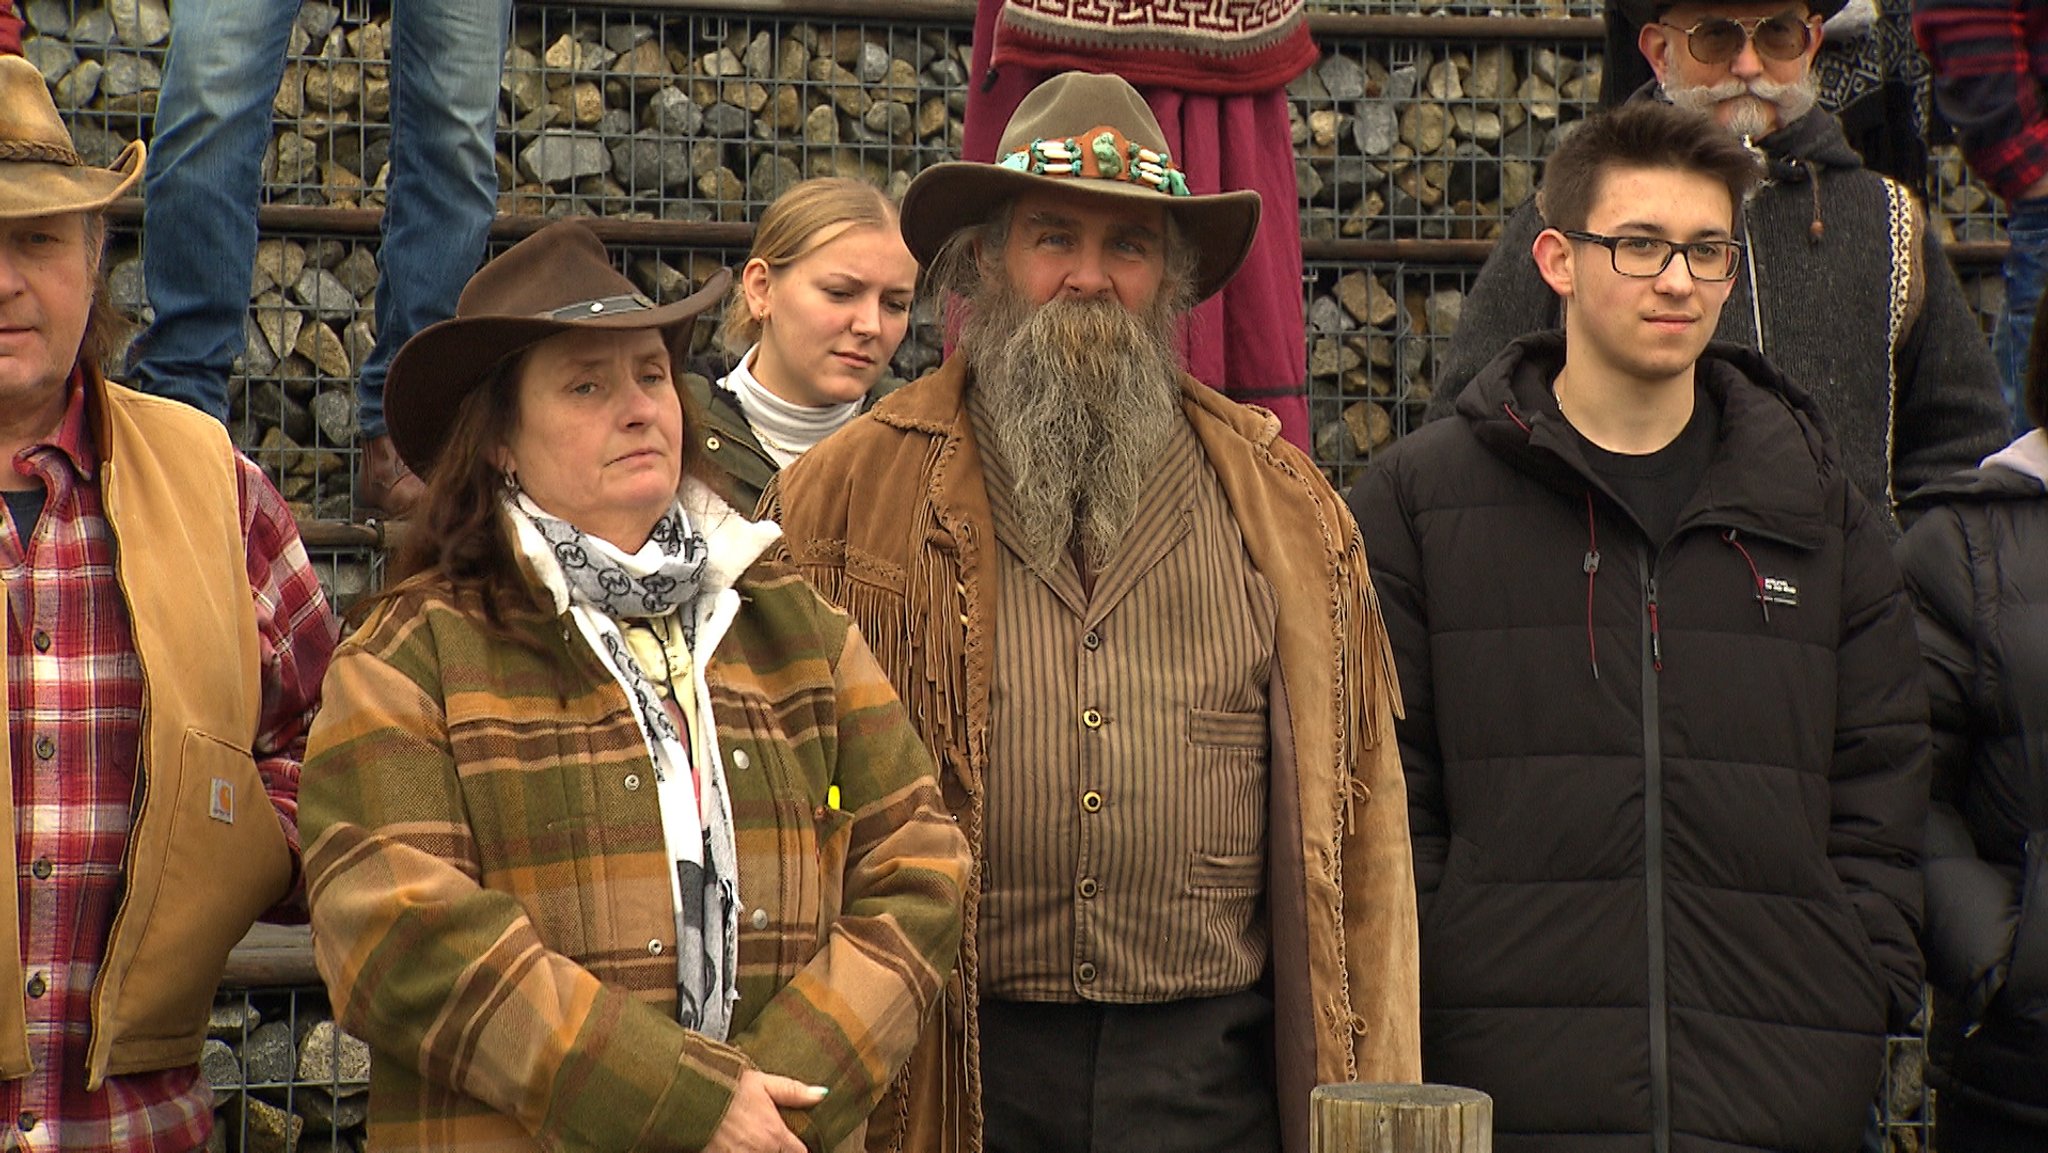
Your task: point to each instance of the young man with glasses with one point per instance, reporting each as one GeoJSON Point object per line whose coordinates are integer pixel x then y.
{"type": "Point", "coordinates": [1844, 283]}
{"type": "Point", "coordinates": [1665, 741]}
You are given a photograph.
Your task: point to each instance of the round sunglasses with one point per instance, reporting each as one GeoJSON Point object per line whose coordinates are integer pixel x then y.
{"type": "Point", "coordinates": [1717, 39]}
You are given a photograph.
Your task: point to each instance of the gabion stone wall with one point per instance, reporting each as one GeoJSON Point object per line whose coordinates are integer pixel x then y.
{"type": "Point", "coordinates": [690, 115]}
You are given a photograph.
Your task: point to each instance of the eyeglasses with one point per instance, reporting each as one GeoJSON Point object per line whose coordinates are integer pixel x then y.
{"type": "Point", "coordinates": [1646, 256]}
{"type": "Point", "coordinates": [1717, 40]}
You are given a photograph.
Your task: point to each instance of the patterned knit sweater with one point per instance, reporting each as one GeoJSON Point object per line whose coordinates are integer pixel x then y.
{"type": "Point", "coordinates": [1212, 46]}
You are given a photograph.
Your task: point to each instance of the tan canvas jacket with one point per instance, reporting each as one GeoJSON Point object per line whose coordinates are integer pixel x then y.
{"type": "Point", "coordinates": [890, 519]}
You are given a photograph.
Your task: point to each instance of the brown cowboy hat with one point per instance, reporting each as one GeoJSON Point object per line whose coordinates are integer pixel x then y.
{"type": "Point", "coordinates": [1090, 133]}
{"type": "Point", "coordinates": [557, 280]}
{"type": "Point", "coordinates": [41, 173]}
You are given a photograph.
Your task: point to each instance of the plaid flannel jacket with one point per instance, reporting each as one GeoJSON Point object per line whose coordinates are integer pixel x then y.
{"type": "Point", "coordinates": [1990, 60]}
{"type": "Point", "coordinates": [490, 900]}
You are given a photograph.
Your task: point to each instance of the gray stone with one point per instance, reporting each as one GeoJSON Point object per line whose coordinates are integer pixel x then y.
{"type": "Point", "coordinates": [317, 18]}
{"type": "Point", "coordinates": [125, 286]}
{"type": "Point", "coordinates": [257, 358]}
{"type": "Point", "coordinates": [358, 271]}
{"type": "Point", "coordinates": [947, 73]}
{"type": "Point", "coordinates": [334, 416]}
{"type": "Point", "coordinates": [1308, 88]}
{"type": "Point", "coordinates": [758, 60]}
{"type": "Point", "coordinates": [49, 17]}
{"type": "Point", "coordinates": [292, 159]}
{"type": "Point", "coordinates": [1375, 127]}
{"type": "Point", "coordinates": [558, 157]}
{"type": "Point", "coordinates": [771, 177]}
{"type": "Point", "coordinates": [1308, 182]}
{"type": "Point", "coordinates": [268, 1055]}
{"type": "Point", "coordinates": [1469, 122]}
{"type": "Point", "coordinates": [79, 86]}
{"type": "Point", "coordinates": [1327, 316]}
{"type": "Point", "coordinates": [872, 64]}
{"type": "Point", "coordinates": [327, 1113]}
{"type": "Point", "coordinates": [1403, 83]}
{"type": "Point", "coordinates": [1442, 310]}
{"type": "Point", "coordinates": [890, 120]}
{"type": "Point", "coordinates": [623, 38]}
{"type": "Point", "coordinates": [1334, 444]}
{"type": "Point", "coordinates": [51, 56]}
{"type": "Point", "coordinates": [94, 27]}
{"type": "Point", "coordinates": [279, 263]}
{"type": "Point", "coordinates": [1343, 78]}
{"type": "Point", "coordinates": [360, 338]}
{"type": "Point", "coordinates": [221, 1068]}
{"type": "Point", "coordinates": [521, 80]}
{"type": "Point", "coordinates": [646, 163]}
{"type": "Point", "coordinates": [727, 122]}
{"type": "Point", "coordinates": [325, 296]}
{"type": "Point", "coordinates": [140, 23]}
{"type": "Point", "coordinates": [671, 112]}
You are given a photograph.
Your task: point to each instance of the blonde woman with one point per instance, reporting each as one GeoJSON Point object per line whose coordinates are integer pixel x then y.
{"type": "Point", "coordinates": [823, 301]}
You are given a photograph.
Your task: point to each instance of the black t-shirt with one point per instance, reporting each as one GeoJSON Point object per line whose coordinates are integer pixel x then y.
{"type": "Point", "coordinates": [26, 507]}
{"type": "Point", "coordinates": [1655, 486]}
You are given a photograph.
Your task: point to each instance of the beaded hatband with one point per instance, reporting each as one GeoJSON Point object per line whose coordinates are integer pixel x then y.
{"type": "Point", "coordinates": [1107, 155]}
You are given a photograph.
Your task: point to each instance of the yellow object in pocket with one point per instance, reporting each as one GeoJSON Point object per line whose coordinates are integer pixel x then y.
{"type": "Point", "coordinates": [832, 796]}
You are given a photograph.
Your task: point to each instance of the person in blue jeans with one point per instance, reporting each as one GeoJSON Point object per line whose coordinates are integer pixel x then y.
{"type": "Point", "coordinates": [2026, 272]}
{"type": "Point", "coordinates": [213, 121]}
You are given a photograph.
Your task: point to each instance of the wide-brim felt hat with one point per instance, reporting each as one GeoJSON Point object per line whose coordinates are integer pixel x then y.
{"type": "Point", "coordinates": [41, 172]}
{"type": "Point", "coordinates": [1090, 133]}
{"type": "Point", "coordinates": [558, 280]}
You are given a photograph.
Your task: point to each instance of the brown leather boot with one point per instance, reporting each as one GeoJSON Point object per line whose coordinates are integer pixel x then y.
{"type": "Point", "coordinates": [384, 485]}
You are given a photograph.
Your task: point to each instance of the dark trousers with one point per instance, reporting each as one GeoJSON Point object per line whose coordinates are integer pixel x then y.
{"type": "Point", "coordinates": [1192, 1076]}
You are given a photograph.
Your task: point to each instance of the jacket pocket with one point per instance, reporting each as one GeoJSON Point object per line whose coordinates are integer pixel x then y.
{"type": "Point", "coordinates": [173, 936]}
{"type": "Point", "coordinates": [2027, 979]}
{"type": "Point", "coordinates": [1221, 729]}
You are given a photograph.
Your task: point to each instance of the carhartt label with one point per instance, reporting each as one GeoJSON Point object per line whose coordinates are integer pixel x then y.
{"type": "Point", "coordinates": [1779, 591]}
{"type": "Point", "coordinates": [222, 805]}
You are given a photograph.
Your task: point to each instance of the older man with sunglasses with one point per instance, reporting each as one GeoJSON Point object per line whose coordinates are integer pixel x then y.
{"type": "Point", "coordinates": [1844, 283]}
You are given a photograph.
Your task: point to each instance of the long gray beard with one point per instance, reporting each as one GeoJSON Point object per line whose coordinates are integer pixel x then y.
{"type": "Point", "coordinates": [1792, 101]}
{"type": "Point", "coordinates": [1080, 398]}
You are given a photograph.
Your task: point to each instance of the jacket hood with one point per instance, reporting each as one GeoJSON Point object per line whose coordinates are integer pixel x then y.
{"type": "Point", "coordinates": [2019, 471]}
{"type": "Point", "coordinates": [1770, 468]}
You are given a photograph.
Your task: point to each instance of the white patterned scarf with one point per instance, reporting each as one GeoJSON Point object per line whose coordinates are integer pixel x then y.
{"type": "Point", "coordinates": [606, 587]}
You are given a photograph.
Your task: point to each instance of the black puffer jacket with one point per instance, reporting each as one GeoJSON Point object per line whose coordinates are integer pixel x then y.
{"type": "Point", "coordinates": [1977, 564]}
{"type": "Point", "coordinates": [1666, 808]}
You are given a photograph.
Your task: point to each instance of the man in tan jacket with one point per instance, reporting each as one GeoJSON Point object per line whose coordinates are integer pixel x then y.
{"type": "Point", "coordinates": [165, 642]}
{"type": "Point", "coordinates": [1135, 629]}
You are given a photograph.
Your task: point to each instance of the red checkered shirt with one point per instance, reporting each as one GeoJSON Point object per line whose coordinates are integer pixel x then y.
{"type": "Point", "coordinates": [1990, 62]}
{"type": "Point", "coordinates": [74, 710]}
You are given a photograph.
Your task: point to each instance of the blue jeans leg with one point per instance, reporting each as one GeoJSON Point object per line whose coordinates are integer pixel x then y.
{"type": "Point", "coordinates": [199, 223]}
{"type": "Point", "coordinates": [443, 191]}
{"type": "Point", "coordinates": [2026, 273]}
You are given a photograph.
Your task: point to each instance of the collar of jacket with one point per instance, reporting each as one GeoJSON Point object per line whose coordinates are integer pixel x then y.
{"type": "Point", "coordinates": [1770, 469]}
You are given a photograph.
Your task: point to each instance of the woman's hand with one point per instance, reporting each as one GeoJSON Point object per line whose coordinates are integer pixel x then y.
{"type": "Point", "coordinates": [752, 1124]}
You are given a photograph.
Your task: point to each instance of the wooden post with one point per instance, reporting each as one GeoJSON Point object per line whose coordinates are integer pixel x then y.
{"type": "Point", "coordinates": [1361, 1118]}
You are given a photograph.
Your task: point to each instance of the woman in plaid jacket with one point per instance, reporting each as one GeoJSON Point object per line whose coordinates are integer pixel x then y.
{"type": "Point", "coordinates": [616, 835]}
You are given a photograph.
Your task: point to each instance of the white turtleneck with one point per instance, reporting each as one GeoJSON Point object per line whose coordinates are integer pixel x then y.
{"type": "Point", "coordinates": [785, 430]}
